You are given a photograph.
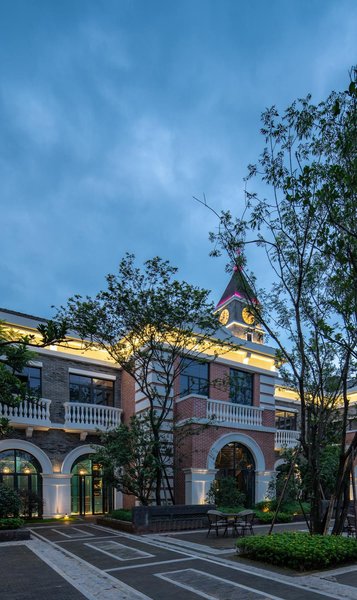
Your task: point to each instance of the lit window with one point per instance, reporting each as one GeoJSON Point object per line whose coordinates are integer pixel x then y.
{"type": "Point", "coordinates": [285, 420]}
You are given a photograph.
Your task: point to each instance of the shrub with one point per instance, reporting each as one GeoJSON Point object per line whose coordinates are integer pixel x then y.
{"type": "Point", "coordinates": [299, 551]}
{"type": "Point", "coordinates": [14, 523]}
{"type": "Point", "coordinates": [32, 504]}
{"type": "Point", "coordinates": [230, 509]}
{"type": "Point", "coordinates": [10, 502]}
{"type": "Point", "coordinates": [121, 514]}
{"type": "Point", "coordinates": [224, 492]}
{"type": "Point", "coordinates": [267, 517]}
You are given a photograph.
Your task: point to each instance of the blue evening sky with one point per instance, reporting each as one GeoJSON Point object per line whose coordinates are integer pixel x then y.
{"type": "Point", "coordinates": [114, 114]}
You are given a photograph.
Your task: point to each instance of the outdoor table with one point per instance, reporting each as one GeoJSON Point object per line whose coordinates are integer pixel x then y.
{"type": "Point", "coordinates": [238, 521]}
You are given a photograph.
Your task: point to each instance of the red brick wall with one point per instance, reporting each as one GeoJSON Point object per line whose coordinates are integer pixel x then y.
{"type": "Point", "coordinates": [127, 396]}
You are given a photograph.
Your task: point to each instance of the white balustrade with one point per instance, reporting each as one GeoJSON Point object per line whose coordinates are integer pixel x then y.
{"type": "Point", "coordinates": [79, 415]}
{"type": "Point", "coordinates": [234, 414]}
{"type": "Point", "coordinates": [36, 412]}
{"type": "Point", "coordinates": [286, 439]}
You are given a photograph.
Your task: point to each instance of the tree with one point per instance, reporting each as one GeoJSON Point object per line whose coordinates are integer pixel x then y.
{"type": "Point", "coordinates": [128, 460]}
{"type": "Point", "coordinates": [15, 356]}
{"type": "Point", "coordinates": [307, 231]}
{"type": "Point", "coordinates": [152, 326]}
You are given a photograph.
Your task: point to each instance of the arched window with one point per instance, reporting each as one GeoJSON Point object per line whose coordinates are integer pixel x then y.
{"type": "Point", "coordinates": [89, 494]}
{"type": "Point", "coordinates": [21, 471]}
{"type": "Point", "coordinates": [235, 460]}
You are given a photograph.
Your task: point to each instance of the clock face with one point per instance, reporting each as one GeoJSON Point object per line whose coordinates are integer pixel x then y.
{"type": "Point", "coordinates": [224, 316]}
{"type": "Point", "coordinates": [248, 317]}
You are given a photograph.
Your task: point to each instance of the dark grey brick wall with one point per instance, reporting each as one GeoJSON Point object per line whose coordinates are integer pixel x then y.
{"type": "Point", "coordinates": [55, 381]}
{"type": "Point", "coordinates": [55, 443]}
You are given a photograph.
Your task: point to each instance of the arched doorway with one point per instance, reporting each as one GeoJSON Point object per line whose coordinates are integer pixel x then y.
{"type": "Point", "coordinates": [20, 471]}
{"type": "Point", "coordinates": [235, 460]}
{"type": "Point", "coordinates": [89, 495]}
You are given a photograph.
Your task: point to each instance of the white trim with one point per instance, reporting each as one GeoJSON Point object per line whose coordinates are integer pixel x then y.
{"type": "Point", "coordinates": [241, 438]}
{"type": "Point", "coordinates": [96, 374]}
{"type": "Point", "coordinates": [76, 358]}
{"type": "Point", "coordinates": [286, 408]}
{"type": "Point", "coordinates": [35, 363]}
{"type": "Point", "coordinates": [73, 455]}
{"type": "Point", "coordinates": [12, 444]}
{"type": "Point", "coordinates": [280, 461]}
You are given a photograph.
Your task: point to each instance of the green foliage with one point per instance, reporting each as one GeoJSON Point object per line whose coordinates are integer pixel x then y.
{"type": "Point", "coordinates": [10, 502]}
{"type": "Point", "coordinates": [231, 509]}
{"type": "Point", "coordinates": [128, 459]}
{"type": "Point", "coordinates": [267, 517]}
{"type": "Point", "coordinates": [15, 355]}
{"type": "Point", "coordinates": [31, 503]}
{"type": "Point", "coordinates": [122, 515]}
{"type": "Point", "coordinates": [146, 319]}
{"type": "Point", "coordinates": [299, 551]}
{"type": "Point", "coordinates": [306, 229]}
{"type": "Point", "coordinates": [11, 523]}
{"type": "Point", "coordinates": [224, 492]}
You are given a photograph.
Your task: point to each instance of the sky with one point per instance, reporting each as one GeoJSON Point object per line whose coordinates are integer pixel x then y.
{"type": "Point", "coordinates": [115, 114]}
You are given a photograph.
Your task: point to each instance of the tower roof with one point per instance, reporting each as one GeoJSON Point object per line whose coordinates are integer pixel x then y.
{"type": "Point", "coordinates": [238, 286]}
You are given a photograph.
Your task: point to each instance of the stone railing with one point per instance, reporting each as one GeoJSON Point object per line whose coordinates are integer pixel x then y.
{"type": "Point", "coordinates": [89, 417]}
{"type": "Point", "coordinates": [286, 439]}
{"type": "Point", "coordinates": [234, 414]}
{"type": "Point", "coordinates": [36, 412]}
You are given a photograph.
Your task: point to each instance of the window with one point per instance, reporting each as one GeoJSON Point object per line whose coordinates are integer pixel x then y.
{"type": "Point", "coordinates": [90, 390]}
{"type": "Point", "coordinates": [194, 378]}
{"type": "Point", "coordinates": [32, 377]}
{"type": "Point", "coordinates": [285, 420]}
{"type": "Point", "coordinates": [241, 387]}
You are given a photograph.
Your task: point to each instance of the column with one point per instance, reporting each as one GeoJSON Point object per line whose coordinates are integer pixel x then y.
{"type": "Point", "coordinates": [197, 484]}
{"type": "Point", "coordinates": [56, 495]}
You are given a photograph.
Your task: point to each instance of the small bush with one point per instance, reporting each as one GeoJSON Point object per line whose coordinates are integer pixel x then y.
{"type": "Point", "coordinates": [10, 502]}
{"type": "Point", "coordinates": [267, 517]}
{"type": "Point", "coordinates": [14, 523]}
{"type": "Point", "coordinates": [32, 504]}
{"type": "Point", "coordinates": [230, 509]}
{"type": "Point", "coordinates": [121, 514]}
{"type": "Point", "coordinates": [224, 492]}
{"type": "Point", "coordinates": [299, 551]}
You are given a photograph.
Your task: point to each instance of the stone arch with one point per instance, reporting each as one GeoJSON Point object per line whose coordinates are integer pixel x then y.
{"type": "Point", "coordinates": [278, 463]}
{"type": "Point", "coordinates": [43, 459]}
{"type": "Point", "coordinates": [241, 438]}
{"type": "Point", "coordinates": [73, 455]}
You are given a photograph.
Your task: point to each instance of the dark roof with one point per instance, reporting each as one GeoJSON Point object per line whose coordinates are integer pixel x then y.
{"type": "Point", "coordinates": [238, 286]}
{"type": "Point", "coordinates": [21, 314]}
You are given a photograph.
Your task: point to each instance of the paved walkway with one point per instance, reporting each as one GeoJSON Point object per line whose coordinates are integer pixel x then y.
{"type": "Point", "coordinates": [86, 561]}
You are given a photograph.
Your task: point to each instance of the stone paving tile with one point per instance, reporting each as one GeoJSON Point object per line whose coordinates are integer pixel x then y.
{"type": "Point", "coordinates": [24, 576]}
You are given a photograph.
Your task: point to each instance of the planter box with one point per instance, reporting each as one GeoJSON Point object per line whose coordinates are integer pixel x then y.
{"type": "Point", "coordinates": [170, 518]}
{"type": "Point", "coordinates": [126, 526]}
{"type": "Point", "coordinates": [14, 535]}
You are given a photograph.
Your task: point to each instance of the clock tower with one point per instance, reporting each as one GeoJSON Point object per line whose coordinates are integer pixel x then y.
{"type": "Point", "coordinates": [234, 309]}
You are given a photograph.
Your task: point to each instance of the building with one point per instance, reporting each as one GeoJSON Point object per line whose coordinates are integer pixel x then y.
{"type": "Point", "coordinates": [82, 392]}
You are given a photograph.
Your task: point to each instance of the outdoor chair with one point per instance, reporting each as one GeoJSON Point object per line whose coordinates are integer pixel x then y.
{"type": "Point", "coordinates": [350, 526]}
{"type": "Point", "coordinates": [244, 522]}
{"type": "Point", "coordinates": [216, 520]}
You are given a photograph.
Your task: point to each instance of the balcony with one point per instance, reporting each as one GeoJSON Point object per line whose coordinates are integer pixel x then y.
{"type": "Point", "coordinates": [86, 418]}
{"type": "Point", "coordinates": [286, 439]}
{"type": "Point", "coordinates": [234, 415]}
{"type": "Point", "coordinates": [28, 415]}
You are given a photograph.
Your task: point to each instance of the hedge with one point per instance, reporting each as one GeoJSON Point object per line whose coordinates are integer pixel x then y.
{"type": "Point", "coordinates": [299, 551]}
{"type": "Point", "coordinates": [121, 514]}
{"type": "Point", "coordinates": [14, 523]}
